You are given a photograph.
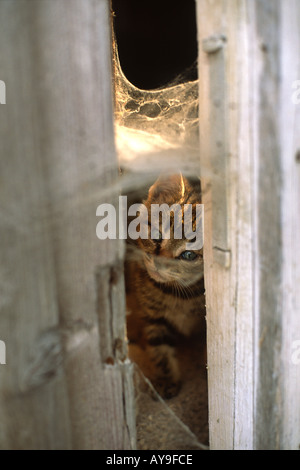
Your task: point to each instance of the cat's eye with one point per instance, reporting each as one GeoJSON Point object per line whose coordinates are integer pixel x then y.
{"type": "Point", "coordinates": [188, 255]}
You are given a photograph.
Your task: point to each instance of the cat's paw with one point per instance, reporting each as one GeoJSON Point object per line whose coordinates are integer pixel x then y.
{"type": "Point", "coordinates": [167, 389]}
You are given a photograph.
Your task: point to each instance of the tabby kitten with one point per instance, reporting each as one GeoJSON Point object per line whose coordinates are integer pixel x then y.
{"type": "Point", "coordinates": [165, 290]}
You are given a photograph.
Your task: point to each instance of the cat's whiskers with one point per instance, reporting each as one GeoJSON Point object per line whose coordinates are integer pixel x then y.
{"type": "Point", "coordinates": [188, 291]}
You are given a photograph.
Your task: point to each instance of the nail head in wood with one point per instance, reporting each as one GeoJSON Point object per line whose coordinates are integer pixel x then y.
{"type": "Point", "coordinates": [213, 43]}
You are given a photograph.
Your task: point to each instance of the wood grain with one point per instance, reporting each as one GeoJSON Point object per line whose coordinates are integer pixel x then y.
{"type": "Point", "coordinates": [57, 159]}
{"type": "Point", "coordinates": [253, 302]}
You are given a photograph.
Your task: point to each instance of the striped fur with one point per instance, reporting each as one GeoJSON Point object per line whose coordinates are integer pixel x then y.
{"type": "Point", "coordinates": [165, 294]}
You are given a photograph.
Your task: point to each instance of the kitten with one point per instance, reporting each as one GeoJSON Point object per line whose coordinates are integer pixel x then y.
{"type": "Point", "coordinates": [165, 290]}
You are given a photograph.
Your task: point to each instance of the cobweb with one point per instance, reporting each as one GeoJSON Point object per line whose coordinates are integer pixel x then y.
{"type": "Point", "coordinates": [157, 131]}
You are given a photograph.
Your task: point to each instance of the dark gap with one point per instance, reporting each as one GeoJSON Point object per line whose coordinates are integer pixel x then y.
{"type": "Point", "coordinates": [157, 40]}
{"type": "Point", "coordinates": [157, 46]}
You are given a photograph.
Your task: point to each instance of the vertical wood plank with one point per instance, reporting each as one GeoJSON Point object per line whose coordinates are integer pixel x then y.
{"type": "Point", "coordinates": [290, 208]}
{"type": "Point", "coordinates": [30, 402]}
{"type": "Point", "coordinates": [220, 321]}
{"type": "Point", "coordinates": [228, 279]}
{"type": "Point", "coordinates": [275, 191]}
{"type": "Point", "coordinates": [58, 162]}
{"type": "Point", "coordinates": [277, 312]}
{"type": "Point", "coordinates": [268, 237]}
{"type": "Point", "coordinates": [253, 307]}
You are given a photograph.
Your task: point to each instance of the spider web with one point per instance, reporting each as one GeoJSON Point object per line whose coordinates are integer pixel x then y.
{"type": "Point", "coordinates": [157, 130]}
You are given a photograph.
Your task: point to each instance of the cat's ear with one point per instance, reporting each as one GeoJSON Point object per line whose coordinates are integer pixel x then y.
{"type": "Point", "coordinates": [165, 184]}
{"type": "Point", "coordinates": [194, 183]}
{"type": "Point", "coordinates": [151, 192]}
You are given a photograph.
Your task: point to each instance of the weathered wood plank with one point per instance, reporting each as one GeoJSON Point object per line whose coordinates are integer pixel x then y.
{"type": "Point", "coordinates": [28, 289]}
{"type": "Point", "coordinates": [267, 226]}
{"type": "Point", "coordinates": [290, 213]}
{"type": "Point", "coordinates": [217, 25]}
{"type": "Point", "coordinates": [57, 159]}
{"type": "Point", "coordinates": [286, 408]}
{"type": "Point", "coordinates": [228, 278]}
{"type": "Point", "coordinates": [276, 191]}
{"type": "Point", "coordinates": [253, 307]}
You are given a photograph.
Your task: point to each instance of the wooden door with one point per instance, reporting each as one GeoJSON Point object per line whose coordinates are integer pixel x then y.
{"type": "Point", "coordinates": [249, 138]}
{"type": "Point", "coordinates": [66, 383]}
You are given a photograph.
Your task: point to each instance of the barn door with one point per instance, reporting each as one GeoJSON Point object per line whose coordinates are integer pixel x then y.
{"type": "Point", "coordinates": [66, 383]}
{"type": "Point", "coordinates": [249, 137]}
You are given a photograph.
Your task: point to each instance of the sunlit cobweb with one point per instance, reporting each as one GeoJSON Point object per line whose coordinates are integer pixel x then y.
{"type": "Point", "coordinates": [157, 130]}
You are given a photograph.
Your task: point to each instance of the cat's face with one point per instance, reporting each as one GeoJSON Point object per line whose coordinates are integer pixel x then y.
{"type": "Point", "coordinates": [169, 260]}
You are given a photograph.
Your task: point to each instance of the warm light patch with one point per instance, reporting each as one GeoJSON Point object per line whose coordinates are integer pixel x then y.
{"type": "Point", "coordinates": [182, 186]}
